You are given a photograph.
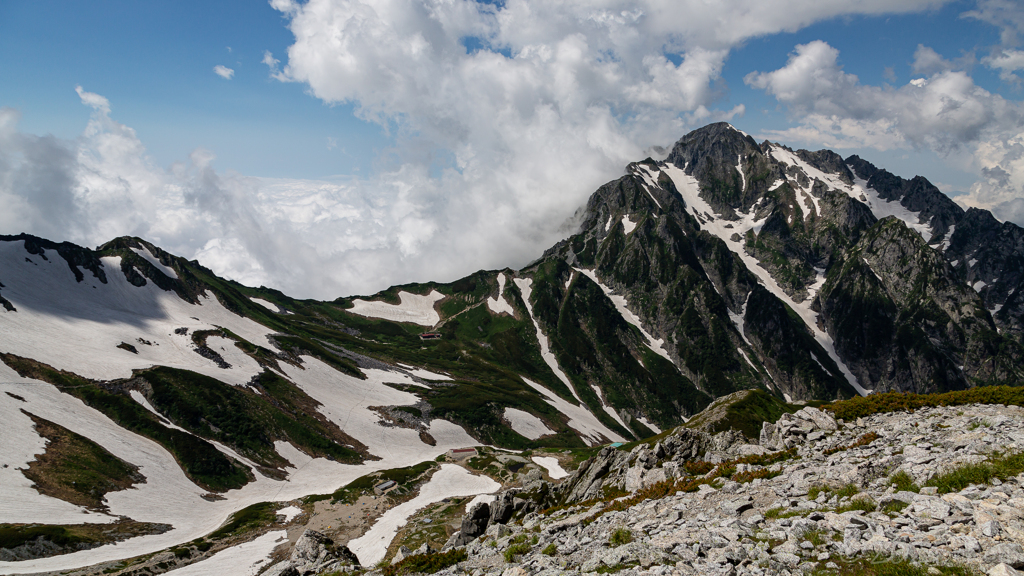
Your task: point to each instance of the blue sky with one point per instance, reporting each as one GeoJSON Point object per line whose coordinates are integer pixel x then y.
{"type": "Point", "coordinates": [365, 134]}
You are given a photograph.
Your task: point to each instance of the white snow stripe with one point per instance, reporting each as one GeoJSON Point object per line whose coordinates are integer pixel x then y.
{"type": "Point", "coordinates": [525, 289]}
{"type": "Point", "coordinates": [690, 190]}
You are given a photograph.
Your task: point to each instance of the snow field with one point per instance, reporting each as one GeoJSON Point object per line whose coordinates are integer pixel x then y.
{"type": "Point", "coordinates": [499, 304]}
{"type": "Point", "coordinates": [549, 463]}
{"type": "Point", "coordinates": [21, 445]}
{"type": "Point", "coordinates": [76, 326]}
{"type": "Point", "coordinates": [526, 424]}
{"type": "Point", "coordinates": [168, 496]}
{"type": "Point", "coordinates": [449, 481]}
{"type": "Point", "coordinates": [657, 345]}
{"type": "Point", "coordinates": [346, 401]}
{"type": "Point", "coordinates": [689, 188]}
{"type": "Point", "coordinates": [413, 308]}
{"type": "Point", "coordinates": [243, 560]}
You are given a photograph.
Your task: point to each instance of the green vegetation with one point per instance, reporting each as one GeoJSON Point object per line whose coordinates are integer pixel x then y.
{"type": "Point", "coordinates": [246, 519]}
{"type": "Point", "coordinates": [76, 469]}
{"type": "Point", "coordinates": [201, 462]}
{"type": "Point", "coordinates": [70, 537]}
{"type": "Point", "coordinates": [243, 419]}
{"type": "Point", "coordinates": [516, 550]}
{"type": "Point", "coordinates": [880, 566]}
{"type": "Point", "coordinates": [351, 492]}
{"type": "Point", "coordinates": [864, 440]}
{"type": "Point", "coordinates": [620, 536]}
{"type": "Point", "coordinates": [1001, 466]}
{"type": "Point", "coordinates": [894, 507]}
{"type": "Point", "coordinates": [886, 402]}
{"type": "Point", "coordinates": [748, 414]}
{"type": "Point", "coordinates": [426, 563]}
{"type": "Point", "coordinates": [904, 482]}
{"type": "Point", "coordinates": [862, 504]}
{"type": "Point", "coordinates": [550, 550]}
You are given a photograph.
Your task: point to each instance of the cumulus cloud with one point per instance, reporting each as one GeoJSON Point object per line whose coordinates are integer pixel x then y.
{"type": "Point", "coordinates": [224, 72]}
{"type": "Point", "coordinates": [506, 117]}
{"type": "Point", "coordinates": [945, 111]}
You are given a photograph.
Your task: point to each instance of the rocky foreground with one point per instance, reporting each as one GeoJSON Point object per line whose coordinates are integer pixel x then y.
{"type": "Point", "coordinates": [843, 496]}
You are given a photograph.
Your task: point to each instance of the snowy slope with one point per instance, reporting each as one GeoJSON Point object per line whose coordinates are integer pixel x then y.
{"type": "Point", "coordinates": [689, 188]}
{"type": "Point", "coordinates": [76, 326]}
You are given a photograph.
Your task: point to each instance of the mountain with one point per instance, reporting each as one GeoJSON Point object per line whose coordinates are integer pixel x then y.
{"type": "Point", "coordinates": [729, 265]}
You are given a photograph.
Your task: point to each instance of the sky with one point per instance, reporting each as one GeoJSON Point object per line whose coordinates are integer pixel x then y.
{"type": "Point", "coordinates": [337, 147]}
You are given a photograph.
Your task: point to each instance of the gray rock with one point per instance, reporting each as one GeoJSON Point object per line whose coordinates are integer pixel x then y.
{"type": "Point", "coordinates": [1006, 553]}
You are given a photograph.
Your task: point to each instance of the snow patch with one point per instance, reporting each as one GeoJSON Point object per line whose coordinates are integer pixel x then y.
{"type": "Point", "coordinates": [149, 257]}
{"type": "Point", "coordinates": [265, 303]}
{"type": "Point", "coordinates": [526, 424]}
{"type": "Point", "coordinates": [979, 285]}
{"type": "Point", "coordinates": [413, 308]}
{"type": "Point", "coordinates": [480, 499]}
{"type": "Point", "coordinates": [555, 470]}
{"type": "Point", "coordinates": [947, 239]}
{"type": "Point", "coordinates": [649, 424]}
{"type": "Point", "coordinates": [737, 320]}
{"type": "Point", "coordinates": [427, 374]}
{"type": "Point", "coordinates": [649, 182]}
{"type": "Point", "coordinates": [608, 224]}
{"type": "Point", "coordinates": [499, 304]}
{"type": "Point", "coordinates": [449, 481]}
{"type": "Point", "coordinates": [628, 224]}
{"type": "Point", "coordinates": [289, 512]}
{"type": "Point", "coordinates": [747, 358]}
{"type": "Point", "coordinates": [972, 262]}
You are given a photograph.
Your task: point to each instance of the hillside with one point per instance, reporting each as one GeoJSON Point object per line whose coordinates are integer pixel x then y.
{"type": "Point", "coordinates": [728, 266]}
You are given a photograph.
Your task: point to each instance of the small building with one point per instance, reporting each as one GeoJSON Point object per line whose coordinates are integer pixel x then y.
{"type": "Point", "coordinates": [430, 336]}
{"type": "Point", "coordinates": [384, 486]}
{"type": "Point", "coordinates": [461, 453]}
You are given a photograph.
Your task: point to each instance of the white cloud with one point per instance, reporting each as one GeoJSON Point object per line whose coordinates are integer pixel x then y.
{"type": "Point", "coordinates": [945, 111]}
{"type": "Point", "coordinates": [1007, 62]}
{"type": "Point", "coordinates": [495, 147]}
{"type": "Point", "coordinates": [224, 72]}
{"type": "Point", "coordinates": [1007, 15]}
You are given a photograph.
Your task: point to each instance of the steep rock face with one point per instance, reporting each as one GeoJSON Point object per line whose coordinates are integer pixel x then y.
{"type": "Point", "coordinates": [728, 163]}
{"type": "Point", "coordinates": [904, 321]}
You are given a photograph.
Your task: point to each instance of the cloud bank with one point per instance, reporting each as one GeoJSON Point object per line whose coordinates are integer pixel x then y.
{"type": "Point", "coordinates": [505, 118]}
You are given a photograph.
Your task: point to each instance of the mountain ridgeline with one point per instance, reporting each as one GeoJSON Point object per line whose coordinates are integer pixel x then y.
{"type": "Point", "coordinates": [728, 265]}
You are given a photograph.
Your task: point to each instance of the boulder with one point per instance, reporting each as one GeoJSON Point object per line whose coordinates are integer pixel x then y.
{"type": "Point", "coordinates": [474, 524]}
